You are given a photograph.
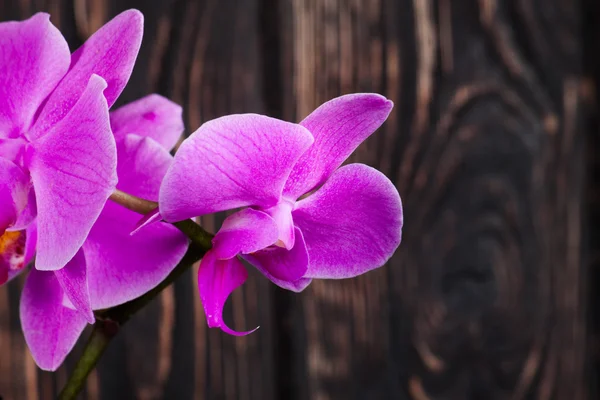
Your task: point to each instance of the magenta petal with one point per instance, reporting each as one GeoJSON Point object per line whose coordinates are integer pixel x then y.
{"type": "Point", "coordinates": [153, 116]}
{"type": "Point", "coordinates": [14, 188]}
{"type": "Point", "coordinates": [279, 264]}
{"type": "Point", "coordinates": [30, 242]}
{"type": "Point", "coordinates": [29, 211]}
{"type": "Point", "coordinates": [109, 53]}
{"type": "Point", "coordinates": [217, 279]}
{"type": "Point", "coordinates": [244, 232]}
{"type": "Point", "coordinates": [282, 214]}
{"type": "Point", "coordinates": [50, 329]}
{"type": "Point", "coordinates": [73, 168]}
{"type": "Point", "coordinates": [34, 57]}
{"type": "Point", "coordinates": [231, 162]}
{"type": "Point", "coordinates": [338, 127]}
{"type": "Point", "coordinates": [352, 224]}
{"type": "Point", "coordinates": [122, 267]}
{"type": "Point", "coordinates": [73, 279]}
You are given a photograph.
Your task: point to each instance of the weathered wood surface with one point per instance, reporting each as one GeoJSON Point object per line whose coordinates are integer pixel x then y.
{"type": "Point", "coordinates": [493, 292]}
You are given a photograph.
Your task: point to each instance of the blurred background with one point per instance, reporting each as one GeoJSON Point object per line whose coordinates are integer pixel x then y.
{"type": "Point", "coordinates": [493, 147]}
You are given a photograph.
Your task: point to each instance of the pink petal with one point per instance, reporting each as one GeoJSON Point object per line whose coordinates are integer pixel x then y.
{"type": "Point", "coordinates": [338, 126]}
{"type": "Point", "coordinates": [352, 224]}
{"type": "Point", "coordinates": [122, 267]}
{"type": "Point", "coordinates": [14, 188]}
{"type": "Point", "coordinates": [244, 232]}
{"type": "Point", "coordinates": [50, 329]}
{"type": "Point", "coordinates": [34, 57]}
{"type": "Point", "coordinates": [142, 164]}
{"type": "Point", "coordinates": [74, 282]}
{"type": "Point", "coordinates": [30, 242]}
{"type": "Point", "coordinates": [231, 162]}
{"type": "Point", "coordinates": [73, 168]}
{"type": "Point", "coordinates": [217, 279]}
{"type": "Point", "coordinates": [29, 211]}
{"type": "Point", "coordinates": [153, 116]}
{"type": "Point", "coordinates": [281, 265]}
{"type": "Point", "coordinates": [109, 53]}
{"type": "Point", "coordinates": [282, 214]}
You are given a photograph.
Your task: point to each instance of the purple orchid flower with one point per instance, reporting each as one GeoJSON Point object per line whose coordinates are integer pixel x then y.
{"type": "Point", "coordinates": [115, 267]}
{"type": "Point", "coordinates": [57, 152]}
{"type": "Point", "coordinates": [306, 216]}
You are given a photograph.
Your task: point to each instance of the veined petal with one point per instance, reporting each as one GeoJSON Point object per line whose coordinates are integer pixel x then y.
{"type": "Point", "coordinates": [74, 282]}
{"type": "Point", "coordinates": [281, 265]}
{"type": "Point", "coordinates": [122, 267]}
{"type": "Point", "coordinates": [142, 164]}
{"type": "Point", "coordinates": [230, 162]}
{"type": "Point", "coordinates": [352, 224]}
{"type": "Point", "coordinates": [338, 126]}
{"type": "Point", "coordinates": [14, 186]}
{"type": "Point", "coordinates": [50, 329]}
{"type": "Point", "coordinates": [217, 279]}
{"type": "Point", "coordinates": [109, 53]}
{"type": "Point", "coordinates": [153, 116]}
{"type": "Point", "coordinates": [34, 57]}
{"type": "Point", "coordinates": [244, 232]}
{"type": "Point", "coordinates": [73, 168]}
{"type": "Point", "coordinates": [29, 211]}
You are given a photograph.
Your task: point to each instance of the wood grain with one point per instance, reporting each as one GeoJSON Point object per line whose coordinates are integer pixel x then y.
{"type": "Point", "coordinates": [493, 292]}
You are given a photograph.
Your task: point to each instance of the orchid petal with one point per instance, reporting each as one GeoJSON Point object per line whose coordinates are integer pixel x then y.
{"type": "Point", "coordinates": [73, 168]}
{"type": "Point", "coordinates": [352, 224]}
{"type": "Point", "coordinates": [109, 53]}
{"type": "Point", "coordinates": [29, 211]}
{"type": "Point", "coordinates": [74, 282]}
{"type": "Point", "coordinates": [338, 126]}
{"type": "Point", "coordinates": [153, 116]}
{"type": "Point", "coordinates": [282, 214]}
{"type": "Point", "coordinates": [122, 267]}
{"type": "Point", "coordinates": [244, 232]}
{"type": "Point", "coordinates": [30, 242]}
{"type": "Point", "coordinates": [34, 57]}
{"type": "Point", "coordinates": [14, 186]}
{"type": "Point", "coordinates": [231, 162]}
{"type": "Point", "coordinates": [50, 329]}
{"type": "Point", "coordinates": [217, 279]}
{"type": "Point", "coordinates": [279, 264]}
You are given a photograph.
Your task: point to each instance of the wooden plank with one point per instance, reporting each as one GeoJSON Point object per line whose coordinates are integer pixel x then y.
{"type": "Point", "coordinates": [487, 296]}
{"type": "Point", "coordinates": [484, 297]}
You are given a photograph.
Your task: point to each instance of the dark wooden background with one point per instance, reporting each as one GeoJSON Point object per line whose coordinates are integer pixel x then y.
{"type": "Point", "coordinates": [493, 146]}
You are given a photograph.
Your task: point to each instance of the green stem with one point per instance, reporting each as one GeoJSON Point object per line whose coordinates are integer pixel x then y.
{"type": "Point", "coordinates": [109, 321]}
{"type": "Point", "coordinates": [94, 349]}
{"type": "Point", "coordinates": [195, 232]}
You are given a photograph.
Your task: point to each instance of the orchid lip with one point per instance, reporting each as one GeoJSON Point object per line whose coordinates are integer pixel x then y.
{"type": "Point", "coordinates": [12, 253]}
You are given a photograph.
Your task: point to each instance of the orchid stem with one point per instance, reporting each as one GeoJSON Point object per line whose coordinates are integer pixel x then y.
{"type": "Point", "coordinates": [192, 230]}
{"type": "Point", "coordinates": [109, 321]}
{"type": "Point", "coordinates": [132, 202]}
{"type": "Point", "coordinates": [94, 349]}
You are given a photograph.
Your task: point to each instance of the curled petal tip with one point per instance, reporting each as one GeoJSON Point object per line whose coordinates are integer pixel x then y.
{"type": "Point", "coordinates": [230, 331]}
